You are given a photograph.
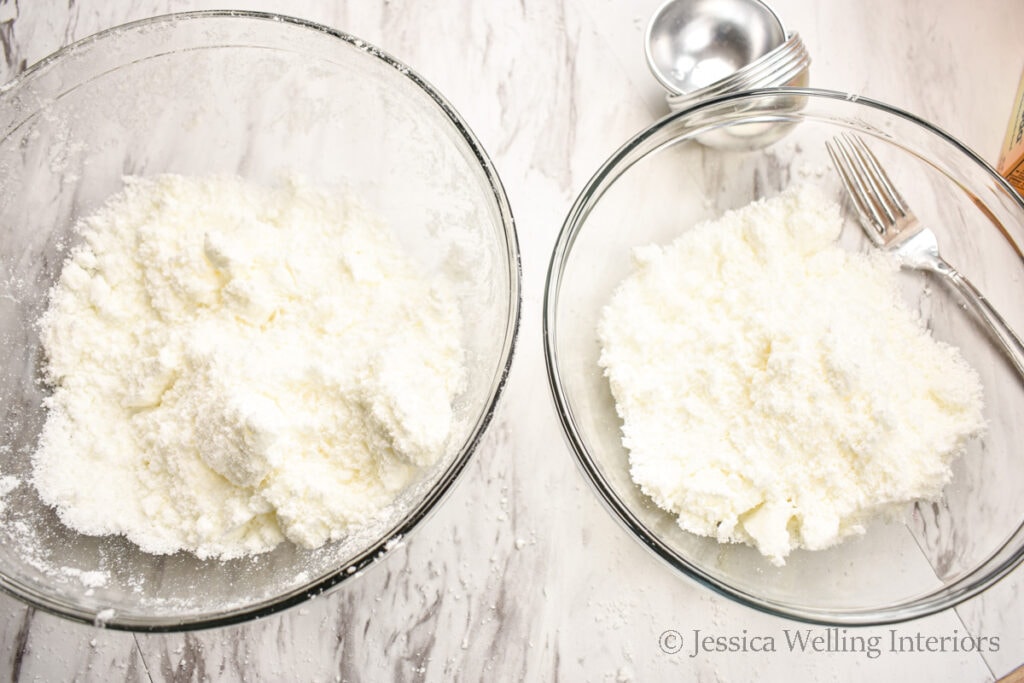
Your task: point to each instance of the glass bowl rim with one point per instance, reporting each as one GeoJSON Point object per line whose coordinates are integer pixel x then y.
{"type": "Point", "coordinates": [448, 478]}
{"type": "Point", "coordinates": [905, 610]}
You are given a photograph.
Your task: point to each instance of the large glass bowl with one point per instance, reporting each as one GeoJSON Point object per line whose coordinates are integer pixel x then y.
{"type": "Point", "coordinates": [696, 164]}
{"type": "Point", "coordinates": [262, 97]}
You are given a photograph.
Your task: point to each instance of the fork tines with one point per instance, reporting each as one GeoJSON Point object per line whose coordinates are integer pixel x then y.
{"type": "Point", "coordinates": [869, 186]}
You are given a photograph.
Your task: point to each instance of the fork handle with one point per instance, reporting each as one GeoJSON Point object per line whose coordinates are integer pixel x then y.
{"type": "Point", "coordinates": [976, 300]}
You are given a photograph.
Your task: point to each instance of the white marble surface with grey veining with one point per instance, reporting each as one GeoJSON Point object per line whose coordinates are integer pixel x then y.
{"type": "Point", "coordinates": [521, 575]}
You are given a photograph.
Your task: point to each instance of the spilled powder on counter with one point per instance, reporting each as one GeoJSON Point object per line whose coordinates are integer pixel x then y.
{"type": "Point", "coordinates": [774, 390]}
{"type": "Point", "coordinates": [234, 365]}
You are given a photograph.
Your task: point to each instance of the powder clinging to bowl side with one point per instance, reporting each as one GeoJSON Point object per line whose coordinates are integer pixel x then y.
{"type": "Point", "coordinates": [234, 365]}
{"type": "Point", "coordinates": [7, 484]}
{"type": "Point", "coordinates": [774, 389]}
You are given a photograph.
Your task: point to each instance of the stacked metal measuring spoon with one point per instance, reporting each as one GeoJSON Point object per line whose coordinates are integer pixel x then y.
{"type": "Point", "coordinates": [689, 37]}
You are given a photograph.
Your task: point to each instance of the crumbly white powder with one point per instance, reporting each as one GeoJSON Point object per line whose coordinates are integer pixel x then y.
{"type": "Point", "coordinates": [773, 388]}
{"type": "Point", "coordinates": [234, 365]}
{"type": "Point", "coordinates": [89, 579]}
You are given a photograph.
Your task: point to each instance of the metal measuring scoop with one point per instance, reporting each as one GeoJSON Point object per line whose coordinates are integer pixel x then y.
{"type": "Point", "coordinates": [785, 65]}
{"type": "Point", "coordinates": [699, 49]}
{"type": "Point", "coordinates": [692, 44]}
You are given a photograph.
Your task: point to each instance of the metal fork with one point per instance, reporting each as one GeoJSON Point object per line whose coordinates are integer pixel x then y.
{"type": "Point", "coordinates": [891, 225]}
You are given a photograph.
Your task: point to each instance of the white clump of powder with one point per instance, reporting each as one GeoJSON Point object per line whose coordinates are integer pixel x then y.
{"type": "Point", "coordinates": [234, 365]}
{"type": "Point", "coordinates": [89, 579]}
{"type": "Point", "coordinates": [774, 389]}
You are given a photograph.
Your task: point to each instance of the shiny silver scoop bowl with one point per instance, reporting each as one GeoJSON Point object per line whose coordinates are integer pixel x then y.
{"type": "Point", "coordinates": [692, 44]}
{"type": "Point", "coordinates": [785, 65]}
{"type": "Point", "coordinates": [701, 49]}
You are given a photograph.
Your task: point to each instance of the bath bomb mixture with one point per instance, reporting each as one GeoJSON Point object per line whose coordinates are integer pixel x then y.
{"type": "Point", "coordinates": [773, 388]}
{"type": "Point", "coordinates": [234, 365]}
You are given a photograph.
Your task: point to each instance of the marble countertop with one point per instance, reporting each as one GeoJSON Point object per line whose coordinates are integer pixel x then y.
{"type": "Point", "coordinates": [522, 574]}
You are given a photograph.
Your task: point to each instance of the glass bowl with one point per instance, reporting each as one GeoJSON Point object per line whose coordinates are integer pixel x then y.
{"type": "Point", "coordinates": [665, 180]}
{"type": "Point", "coordinates": [258, 96]}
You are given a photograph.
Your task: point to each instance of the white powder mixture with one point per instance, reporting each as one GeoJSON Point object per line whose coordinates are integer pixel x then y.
{"type": "Point", "coordinates": [774, 389]}
{"type": "Point", "coordinates": [234, 365]}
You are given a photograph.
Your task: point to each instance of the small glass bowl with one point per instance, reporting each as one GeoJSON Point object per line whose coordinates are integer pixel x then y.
{"type": "Point", "coordinates": [260, 96]}
{"type": "Point", "coordinates": [664, 181]}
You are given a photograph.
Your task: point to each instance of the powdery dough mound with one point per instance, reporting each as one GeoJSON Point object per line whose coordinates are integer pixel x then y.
{"type": "Point", "coordinates": [234, 365]}
{"type": "Point", "coordinates": [773, 388]}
